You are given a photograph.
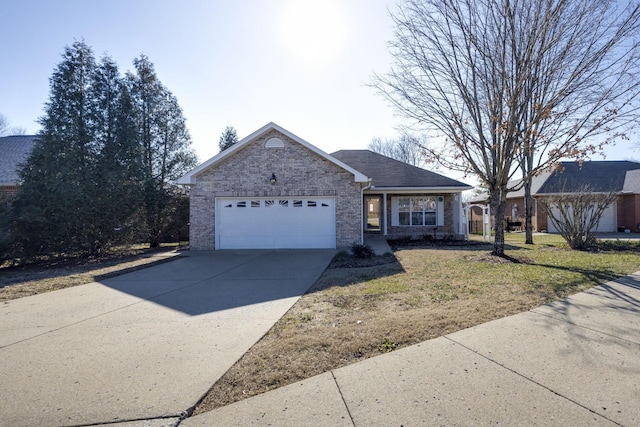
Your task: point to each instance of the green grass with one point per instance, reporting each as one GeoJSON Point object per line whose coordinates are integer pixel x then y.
{"type": "Point", "coordinates": [384, 286]}
{"type": "Point", "coordinates": [548, 269]}
{"type": "Point", "coordinates": [552, 269]}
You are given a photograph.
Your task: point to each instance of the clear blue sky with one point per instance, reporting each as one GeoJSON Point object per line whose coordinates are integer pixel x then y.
{"type": "Point", "coordinates": [303, 64]}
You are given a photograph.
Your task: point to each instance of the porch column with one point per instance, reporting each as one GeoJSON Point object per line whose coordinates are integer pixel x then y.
{"type": "Point", "coordinates": [462, 218]}
{"type": "Point", "coordinates": [384, 214]}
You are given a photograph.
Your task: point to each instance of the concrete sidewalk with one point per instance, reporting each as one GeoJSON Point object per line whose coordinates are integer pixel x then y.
{"type": "Point", "coordinates": [573, 362]}
{"type": "Point", "coordinates": [144, 347]}
{"type": "Point", "coordinates": [378, 243]}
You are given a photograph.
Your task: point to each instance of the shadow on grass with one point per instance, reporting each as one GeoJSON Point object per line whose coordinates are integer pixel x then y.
{"type": "Point", "coordinates": [595, 277]}
{"type": "Point", "coordinates": [16, 275]}
{"type": "Point", "coordinates": [450, 246]}
{"type": "Point", "coordinates": [346, 270]}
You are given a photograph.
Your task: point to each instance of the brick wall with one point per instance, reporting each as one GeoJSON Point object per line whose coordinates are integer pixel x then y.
{"type": "Point", "coordinates": [8, 190]}
{"type": "Point", "coordinates": [299, 172]}
{"type": "Point", "coordinates": [628, 211]}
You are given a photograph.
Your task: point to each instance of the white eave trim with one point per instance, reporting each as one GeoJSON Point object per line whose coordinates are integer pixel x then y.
{"type": "Point", "coordinates": [422, 190]}
{"type": "Point", "coordinates": [190, 178]}
{"type": "Point", "coordinates": [569, 193]}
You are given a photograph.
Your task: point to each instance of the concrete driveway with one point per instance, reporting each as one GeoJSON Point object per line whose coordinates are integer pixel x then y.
{"type": "Point", "coordinates": [144, 345]}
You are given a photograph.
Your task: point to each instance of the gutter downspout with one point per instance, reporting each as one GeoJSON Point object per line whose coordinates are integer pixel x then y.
{"type": "Point", "coordinates": [362, 210]}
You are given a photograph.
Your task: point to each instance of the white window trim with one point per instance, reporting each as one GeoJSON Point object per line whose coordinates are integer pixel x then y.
{"type": "Point", "coordinates": [395, 212]}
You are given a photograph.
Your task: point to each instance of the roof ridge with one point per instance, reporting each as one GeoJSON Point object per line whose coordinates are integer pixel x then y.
{"type": "Point", "coordinates": [19, 136]}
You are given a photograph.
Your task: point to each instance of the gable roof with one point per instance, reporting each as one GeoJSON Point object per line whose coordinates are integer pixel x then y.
{"type": "Point", "coordinates": [14, 150]}
{"type": "Point", "coordinates": [537, 182]}
{"type": "Point", "coordinates": [390, 174]}
{"type": "Point", "coordinates": [189, 178]}
{"type": "Point", "coordinates": [597, 176]}
{"type": "Point", "coordinates": [632, 182]}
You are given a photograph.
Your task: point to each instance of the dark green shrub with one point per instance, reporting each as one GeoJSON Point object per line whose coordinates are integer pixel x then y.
{"type": "Point", "coordinates": [362, 251]}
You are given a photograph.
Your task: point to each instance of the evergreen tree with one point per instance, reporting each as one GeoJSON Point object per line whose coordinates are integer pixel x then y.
{"type": "Point", "coordinates": [54, 206]}
{"type": "Point", "coordinates": [117, 190]}
{"type": "Point", "coordinates": [165, 143]}
{"type": "Point", "coordinates": [107, 152]}
{"type": "Point", "coordinates": [227, 138]}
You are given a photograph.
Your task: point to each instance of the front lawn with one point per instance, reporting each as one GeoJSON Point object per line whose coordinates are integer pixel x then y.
{"type": "Point", "coordinates": [358, 310]}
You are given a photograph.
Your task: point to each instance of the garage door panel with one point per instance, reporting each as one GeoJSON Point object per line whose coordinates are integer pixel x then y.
{"type": "Point", "coordinates": [278, 223]}
{"type": "Point", "coordinates": [607, 223]}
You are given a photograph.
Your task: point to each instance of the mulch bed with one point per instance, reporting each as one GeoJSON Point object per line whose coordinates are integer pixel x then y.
{"type": "Point", "coordinates": [350, 261]}
{"type": "Point", "coordinates": [495, 259]}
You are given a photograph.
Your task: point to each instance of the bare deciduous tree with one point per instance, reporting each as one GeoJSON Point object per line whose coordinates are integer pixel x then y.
{"type": "Point", "coordinates": [7, 129]}
{"type": "Point", "coordinates": [594, 67]}
{"type": "Point", "coordinates": [407, 149]}
{"type": "Point", "coordinates": [4, 124]}
{"type": "Point", "coordinates": [509, 85]}
{"type": "Point", "coordinates": [576, 215]}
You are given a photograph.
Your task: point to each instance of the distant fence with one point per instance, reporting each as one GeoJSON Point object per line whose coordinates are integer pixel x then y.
{"type": "Point", "coordinates": [475, 226]}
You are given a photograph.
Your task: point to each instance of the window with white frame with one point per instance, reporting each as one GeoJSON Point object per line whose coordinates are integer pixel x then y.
{"type": "Point", "coordinates": [417, 211]}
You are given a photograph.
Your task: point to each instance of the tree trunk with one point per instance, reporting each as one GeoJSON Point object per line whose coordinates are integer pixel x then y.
{"type": "Point", "coordinates": [499, 201]}
{"type": "Point", "coordinates": [528, 212]}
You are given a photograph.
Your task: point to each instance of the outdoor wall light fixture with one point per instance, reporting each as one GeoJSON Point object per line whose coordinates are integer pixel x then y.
{"type": "Point", "coordinates": [273, 178]}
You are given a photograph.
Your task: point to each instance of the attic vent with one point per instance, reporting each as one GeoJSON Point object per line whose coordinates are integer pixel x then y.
{"type": "Point", "coordinates": [274, 143]}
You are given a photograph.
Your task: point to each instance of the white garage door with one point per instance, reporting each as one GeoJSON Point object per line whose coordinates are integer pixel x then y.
{"type": "Point", "coordinates": [608, 221]}
{"type": "Point", "coordinates": [275, 223]}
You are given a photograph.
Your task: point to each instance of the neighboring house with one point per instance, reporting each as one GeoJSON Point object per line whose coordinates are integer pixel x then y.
{"type": "Point", "coordinates": [273, 189]}
{"type": "Point", "coordinates": [620, 177]}
{"type": "Point", "coordinates": [14, 151]}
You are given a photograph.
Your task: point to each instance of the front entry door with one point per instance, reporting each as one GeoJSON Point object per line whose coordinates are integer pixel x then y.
{"type": "Point", "coordinates": [372, 214]}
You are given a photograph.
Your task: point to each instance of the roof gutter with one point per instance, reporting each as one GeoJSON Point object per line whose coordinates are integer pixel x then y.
{"type": "Point", "coordinates": [407, 190]}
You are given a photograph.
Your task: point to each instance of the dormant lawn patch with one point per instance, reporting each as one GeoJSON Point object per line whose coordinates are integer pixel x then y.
{"type": "Point", "coordinates": [45, 276]}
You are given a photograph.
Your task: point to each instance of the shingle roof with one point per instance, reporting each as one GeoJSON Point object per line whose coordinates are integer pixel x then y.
{"type": "Point", "coordinates": [536, 183]}
{"type": "Point", "coordinates": [387, 172]}
{"type": "Point", "coordinates": [14, 150]}
{"type": "Point", "coordinates": [598, 176]}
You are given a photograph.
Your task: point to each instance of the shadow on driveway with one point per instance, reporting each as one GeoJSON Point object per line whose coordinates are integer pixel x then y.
{"type": "Point", "coordinates": [214, 281]}
{"type": "Point", "coordinates": [147, 344]}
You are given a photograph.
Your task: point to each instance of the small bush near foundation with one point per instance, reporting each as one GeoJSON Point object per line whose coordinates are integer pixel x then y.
{"type": "Point", "coordinates": [362, 251]}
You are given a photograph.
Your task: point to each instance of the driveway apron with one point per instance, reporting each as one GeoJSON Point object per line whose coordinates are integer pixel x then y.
{"type": "Point", "coordinates": [147, 344]}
